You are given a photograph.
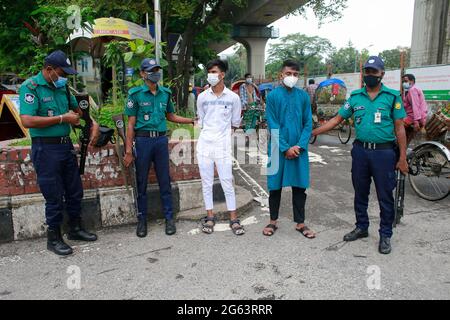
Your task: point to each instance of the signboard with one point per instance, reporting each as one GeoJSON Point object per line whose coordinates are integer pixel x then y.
{"type": "Point", "coordinates": [434, 81]}
{"type": "Point", "coordinates": [393, 79]}
{"type": "Point", "coordinates": [10, 124]}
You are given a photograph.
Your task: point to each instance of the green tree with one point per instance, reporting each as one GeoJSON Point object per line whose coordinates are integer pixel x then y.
{"type": "Point", "coordinates": [392, 57]}
{"type": "Point", "coordinates": [307, 51]}
{"type": "Point", "coordinates": [347, 59]}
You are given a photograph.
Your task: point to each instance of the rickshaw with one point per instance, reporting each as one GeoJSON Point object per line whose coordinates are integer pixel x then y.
{"type": "Point", "coordinates": [329, 97]}
{"type": "Point", "coordinates": [253, 119]}
{"type": "Point", "coordinates": [429, 162]}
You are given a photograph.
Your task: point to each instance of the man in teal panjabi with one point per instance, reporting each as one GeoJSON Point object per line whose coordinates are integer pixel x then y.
{"type": "Point", "coordinates": [379, 149]}
{"type": "Point", "coordinates": [148, 106]}
{"type": "Point", "coordinates": [289, 118]}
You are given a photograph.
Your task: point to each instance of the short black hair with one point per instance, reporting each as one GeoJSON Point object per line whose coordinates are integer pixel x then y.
{"type": "Point", "coordinates": [410, 77]}
{"type": "Point", "coordinates": [221, 64]}
{"type": "Point", "coordinates": [247, 75]}
{"type": "Point", "coordinates": [312, 81]}
{"type": "Point", "coordinates": [291, 64]}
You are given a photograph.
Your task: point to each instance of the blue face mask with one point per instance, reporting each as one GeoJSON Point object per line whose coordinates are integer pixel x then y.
{"type": "Point", "coordinates": [60, 83]}
{"type": "Point", "coordinates": [154, 76]}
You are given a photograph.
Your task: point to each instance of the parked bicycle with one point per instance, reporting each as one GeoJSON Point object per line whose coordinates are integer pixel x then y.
{"type": "Point", "coordinates": [429, 162]}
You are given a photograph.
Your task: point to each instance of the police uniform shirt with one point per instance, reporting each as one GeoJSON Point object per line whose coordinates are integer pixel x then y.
{"type": "Point", "coordinates": [149, 109]}
{"type": "Point", "coordinates": [374, 120]}
{"type": "Point", "coordinates": [39, 98]}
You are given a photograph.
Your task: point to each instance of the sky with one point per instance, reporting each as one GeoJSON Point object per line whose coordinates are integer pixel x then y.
{"type": "Point", "coordinates": [373, 24]}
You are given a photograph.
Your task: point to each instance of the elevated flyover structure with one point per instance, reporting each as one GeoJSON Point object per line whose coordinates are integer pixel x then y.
{"type": "Point", "coordinates": [250, 27]}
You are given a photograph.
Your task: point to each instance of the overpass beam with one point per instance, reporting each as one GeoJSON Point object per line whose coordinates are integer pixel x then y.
{"type": "Point", "coordinates": [254, 39]}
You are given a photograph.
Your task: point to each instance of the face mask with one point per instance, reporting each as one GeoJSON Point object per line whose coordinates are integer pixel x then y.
{"type": "Point", "coordinates": [153, 76]}
{"type": "Point", "coordinates": [406, 85]}
{"type": "Point", "coordinates": [290, 81]}
{"type": "Point", "coordinates": [372, 81]}
{"type": "Point", "coordinates": [249, 80]}
{"type": "Point", "coordinates": [213, 79]}
{"type": "Point", "coordinates": [60, 82]}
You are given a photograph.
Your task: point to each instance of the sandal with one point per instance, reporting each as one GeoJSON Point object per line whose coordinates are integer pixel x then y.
{"type": "Point", "coordinates": [207, 227]}
{"type": "Point", "coordinates": [270, 233]}
{"type": "Point", "coordinates": [304, 232]}
{"type": "Point", "coordinates": [239, 230]}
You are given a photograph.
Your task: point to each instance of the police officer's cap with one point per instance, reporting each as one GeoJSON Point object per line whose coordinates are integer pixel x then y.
{"type": "Point", "coordinates": [59, 59]}
{"type": "Point", "coordinates": [148, 64]}
{"type": "Point", "coordinates": [374, 62]}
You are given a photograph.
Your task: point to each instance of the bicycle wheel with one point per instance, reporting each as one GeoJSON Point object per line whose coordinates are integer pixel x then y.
{"type": "Point", "coordinates": [430, 174]}
{"type": "Point", "coordinates": [345, 132]}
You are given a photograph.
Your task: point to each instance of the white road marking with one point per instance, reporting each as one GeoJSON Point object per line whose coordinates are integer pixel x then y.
{"type": "Point", "coordinates": [313, 157]}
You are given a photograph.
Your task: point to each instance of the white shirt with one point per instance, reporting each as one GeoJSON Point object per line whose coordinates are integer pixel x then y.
{"type": "Point", "coordinates": [216, 116]}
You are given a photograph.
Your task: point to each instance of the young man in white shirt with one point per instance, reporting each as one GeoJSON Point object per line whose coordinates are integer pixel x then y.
{"type": "Point", "coordinates": [218, 110]}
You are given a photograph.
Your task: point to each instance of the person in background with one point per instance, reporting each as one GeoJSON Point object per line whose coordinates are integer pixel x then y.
{"type": "Point", "coordinates": [415, 107]}
{"type": "Point", "coordinates": [311, 90]}
{"type": "Point", "coordinates": [247, 92]}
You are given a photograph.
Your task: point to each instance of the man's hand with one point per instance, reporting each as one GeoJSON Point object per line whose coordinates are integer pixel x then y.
{"type": "Point", "coordinates": [293, 153]}
{"type": "Point", "coordinates": [417, 127]}
{"type": "Point", "coordinates": [128, 159]}
{"type": "Point", "coordinates": [72, 118]}
{"type": "Point", "coordinates": [402, 165]}
{"type": "Point", "coordinates": [95, 133]}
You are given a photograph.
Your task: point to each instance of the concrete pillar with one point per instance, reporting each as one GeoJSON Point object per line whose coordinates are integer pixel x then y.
{"type": "Point", "coordinates": [256, 56]}
{"type": "Point", "coordinates": [431, 32]}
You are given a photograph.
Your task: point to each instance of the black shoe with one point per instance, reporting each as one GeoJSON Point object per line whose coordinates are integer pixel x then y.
{"type": "Point", "coordinates": [141, 230]}
{"type": "Point", "coordinates": [171, 229]}
{"type": "Point", "coordinates": [56, 244]}
{"type": "Point", "coordinates": [385, 245]}
{"type": "Point", "coordinates": [355, 235]}
{"type": "Point", "coordinates": [77, 232]}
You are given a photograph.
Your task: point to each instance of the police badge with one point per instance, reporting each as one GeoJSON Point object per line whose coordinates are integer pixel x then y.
{"type": "Point", "coordinates": [50, 113]}
{"type": "Point", "coordinates": [146, 117]}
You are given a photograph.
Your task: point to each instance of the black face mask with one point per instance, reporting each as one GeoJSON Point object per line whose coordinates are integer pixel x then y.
{"type": "Point", "coordinates": [372, 81]}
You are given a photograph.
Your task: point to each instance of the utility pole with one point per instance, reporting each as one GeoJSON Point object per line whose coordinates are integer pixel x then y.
{"type": "Point", "coordinates": [157, 9]}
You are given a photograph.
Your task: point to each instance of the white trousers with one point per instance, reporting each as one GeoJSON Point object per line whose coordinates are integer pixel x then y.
{"type": "Point", "coordinates": [225, 171]}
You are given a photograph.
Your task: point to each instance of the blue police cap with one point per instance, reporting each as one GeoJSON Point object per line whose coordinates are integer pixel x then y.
{"type": "Point", "coordinates": [374, 62]}
{"type": "Point", "coordinates": [148, 64]}
{"type": "Point", "coordinates": [59, 59]}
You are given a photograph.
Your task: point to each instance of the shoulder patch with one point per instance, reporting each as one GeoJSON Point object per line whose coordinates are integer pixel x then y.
{"type": "Point", "coordinates": [130, 104]}
{"type": "Point", "coordinates": [347, 106]}
{"type": "Point", "coordinates": [398, 106]}
{"type": "Point", "coordinates": [29, 98]}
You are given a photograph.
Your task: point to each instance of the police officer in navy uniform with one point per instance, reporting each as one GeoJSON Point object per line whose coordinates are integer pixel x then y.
{"type": "Point", "coordinates": [48, 109]}
{"type": "Point", "coordinates": [379, 148]}
{"type": "Point", "coordinates": [148, 106]}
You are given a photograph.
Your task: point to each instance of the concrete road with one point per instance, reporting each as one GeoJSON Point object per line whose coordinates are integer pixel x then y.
{"type": "Point", "coordinates": [221, 266]}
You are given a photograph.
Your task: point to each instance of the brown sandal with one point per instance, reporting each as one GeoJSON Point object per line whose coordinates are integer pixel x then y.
{"type": "Point", "coordinates": [304, 231]}
{"type": "Point", "coordinates": [271, 233]}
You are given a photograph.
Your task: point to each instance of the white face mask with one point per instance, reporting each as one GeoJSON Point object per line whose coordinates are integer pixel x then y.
{"type": "Point", "coordinates": [213, 79]}
{"type": "Point", "coordinates": [249, 80]}
{"type": "Point", "coordinates": [290, 81]}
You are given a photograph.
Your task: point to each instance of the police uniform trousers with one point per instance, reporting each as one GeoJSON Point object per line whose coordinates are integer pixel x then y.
{"type": "Point", "coordinates": [59, 180]}
{"type": "Point", "coordinates": [379, 165]}
{"type": "Point", "coordinates": [156, 151]}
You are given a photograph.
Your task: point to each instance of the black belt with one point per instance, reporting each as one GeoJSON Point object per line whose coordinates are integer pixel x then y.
{"type": "Point", "coordinates": [52, 140]}
{"type": "Point", "coordinates": [150, 134]}
{"type": "Point", "coordinates": [375, 146]}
